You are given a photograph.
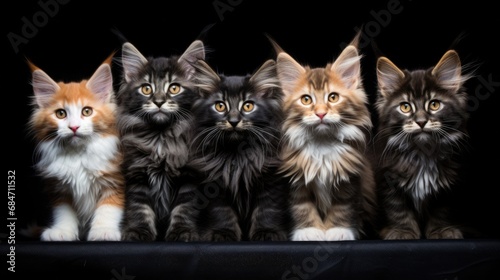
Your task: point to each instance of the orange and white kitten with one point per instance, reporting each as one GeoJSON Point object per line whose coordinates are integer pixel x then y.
{"type": "Point", "coordinates": [79, 155]}
{"type": "Point", "coordinates": [326, 128]}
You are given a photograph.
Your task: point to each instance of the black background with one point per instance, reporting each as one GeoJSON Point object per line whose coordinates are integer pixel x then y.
{"type": "Point", "coordinates": [71, 42]}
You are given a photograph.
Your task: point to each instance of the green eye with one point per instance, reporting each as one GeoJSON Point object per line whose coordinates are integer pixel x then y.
{"type": "Point", "coordinates": [220, 106]}
{"type": "Point", "coordinates": [306, 99]}
{"type": "Point", "coordinates": [87, 111]}
{"type": "Point", "coordinates": [60, 113]}
{"type": "Point", "coordinates": [434, 105]}
{"type": "Point", "coordinates": [405, 107]}
{"type": "Point", "coordinates": [248, 106]}
{"type": "Point", "coordinates": [146, 89]}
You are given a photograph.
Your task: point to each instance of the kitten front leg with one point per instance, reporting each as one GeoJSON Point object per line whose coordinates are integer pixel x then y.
{"type": "Point", "coordinates": [222, 223]}
{"type": "Point", "coordinates": [270, 218]}
{"type": "Point", "coordinates": [341, 222]}
{"type": "Point", "coordinates": [65, 224]}
{"type": "Point", "coordinates": [308, 225]}
{"type": "Point", "coordinates": [439, 226]}
{"type": "Point", "coordinates": [105, 224]}
{"type": "Point", "coordinates": [401, 222]}
{"type": "Point", "coordinates": [139, 221]}
{"type": "Point", "coordinates": [184, 216]}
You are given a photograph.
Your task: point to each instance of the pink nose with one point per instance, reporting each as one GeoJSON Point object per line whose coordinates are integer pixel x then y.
{"type": "Point", "coordinates": [321, 116]}
{"type": "Point", "coordinates": [74, 128]}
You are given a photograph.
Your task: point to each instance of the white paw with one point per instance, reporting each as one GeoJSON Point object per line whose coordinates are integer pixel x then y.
{"type": "Point", "coordinates": [308, 234]}
{"type": "Point", "coordinates": [104, 234]}
{"type": "Point", "coordinates": [340, 233]}
{"type": "Point", "coordinates": [59, 234]}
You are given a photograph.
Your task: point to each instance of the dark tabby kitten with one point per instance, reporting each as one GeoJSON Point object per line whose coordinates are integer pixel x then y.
{"type": "Point", "coordinates": [422, 129]}
{"type": "Point", "coordinates": [238, 196]}
{"type": "Point", "coordinates": [155, 123]}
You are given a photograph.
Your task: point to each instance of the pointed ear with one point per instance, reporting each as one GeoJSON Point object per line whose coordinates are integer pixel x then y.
{"type": "Point", "coordinates": [132, 61]}
{"type": "Point", "coordinates": [289, 72]}
{"type": "Point", "coordinates": [265, 78]}
{"type": "Point", "coordinates": [348, 66]}
{"type": "Point", "coordinates": [206, 79]}
{"type": "Point", "coordinates": [101, 83]}
{"type": "Point", "coordinates": [277, 48]}
{"type": "Point", "coordinates": [448, 71]}
{"type": "Point", "coordinates": [43, 86]}
{"type": "Point", "coordinates": [389, 76]}
{"type": "Point", "coordinates": [195, 52]}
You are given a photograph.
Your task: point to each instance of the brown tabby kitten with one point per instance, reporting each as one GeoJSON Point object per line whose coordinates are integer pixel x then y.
{"type": "Point", "coordinates": [326, 129]}
{"type": "Point", "coordinates": [421, 132]}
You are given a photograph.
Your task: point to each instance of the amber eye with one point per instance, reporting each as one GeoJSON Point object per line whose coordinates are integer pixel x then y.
{"type": "Point", "coordinates": [220, 106]}
{"type": "Point", "coordinates": [60, 113]}
{"type": "Point", "coordinates": [405, 107]}
{"type": "Point", "coordinates": [146, 89]}
{"type": "Point", "coordinates": [174, 88]}
{"type": "Point", "coordinates": [248, 106]}
{"type": "Point", "coordinates": [333, 97]}
{"type": "Point", "coordinates": [434, 105]}
{"type": "Point", "coordinates": [87, 111]}
{"type": "Point", "coordinates": [306, 99]}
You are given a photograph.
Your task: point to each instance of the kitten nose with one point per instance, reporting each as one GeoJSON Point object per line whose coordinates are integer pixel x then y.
{"type": "Point", "coordinates": [234, 118]}
{"type": "Point", "coordinates": [320, 115]}
{"type": "Point", "coordinates": [421, 123]}
{"type": "Point", "coordinates": [158, 102]}
{"type": "Point", "coordinates": [74, 128]}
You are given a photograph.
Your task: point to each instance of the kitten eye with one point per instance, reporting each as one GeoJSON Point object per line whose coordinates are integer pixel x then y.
{"type": "Point", "coordinates": [333, 97]}
{"type": "Point", "coordinates": [60, 113]}
{"type": "Point", "coordinates": [87, 111]}
{"type": "Point", "coordinates": [248, 106]}
{"type": "Point", "coordinates": [220, 106]}
{"type": "Point", "coordinates": [146, 89]}
{"type": "Point", "coordinates": [306, 99]}
{"type": "Point", "coordinates": [434, 105]}
{"type": "Point", "coordinates": [174, 88]}
{"type": "Point", "coordinates": [405, 107]}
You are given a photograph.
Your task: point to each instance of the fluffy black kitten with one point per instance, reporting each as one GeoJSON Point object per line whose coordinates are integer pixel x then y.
{"type": "Point", "coordinates": [155, 123]}
{"type": "Point", "coordinates": [421, 137]}
{"type": "Point", "coordinates": [234, 155]}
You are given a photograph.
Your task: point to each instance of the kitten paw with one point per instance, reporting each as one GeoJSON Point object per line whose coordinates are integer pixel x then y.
{"type": "Point", "coordinates": [445, 233]}
{"type": "Point", "coordinates": [395, 234]}
{"type": "Point", "coordinates": [269, 235]}
{"type": "Point", "coordinates": [59, 234]}
{"type": "Point", "coordinates": [104, 234]}
{"type": "Point", "coordinates": [138, 234]}
{"type": "Point", "coordinates": [308, 234]}
{"type": "Point", "coordinates": [340, 233]}
{"type": "Point", "coordinates": [183, 235]}
{"type": "Point", "coordinates": [221, 236]}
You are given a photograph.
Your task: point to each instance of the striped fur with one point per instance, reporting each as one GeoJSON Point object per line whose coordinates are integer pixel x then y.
{"type": "Point", "coordinates": [326, 129]}
{"type": "Point", "coordinates": [419, 147]}
{"type": "Point", "coordinates": [155, 126]}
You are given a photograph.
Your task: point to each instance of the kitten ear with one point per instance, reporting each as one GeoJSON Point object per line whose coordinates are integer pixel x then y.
{"type": "Point", "coordinates": [205, 79]}
{"type": "Point", "coordinates": [289, 72]}
{"type": "Point", "coordinates": [265, 78]}
{"type": "Point", "coordinates": [195, 52]}
{"type": "Point", "coordinates": [101, 82]}
{"type": "Point", "coordinates": [448, 71]}
{"type": "Point", "coordinates": [43, 86]}
{"type": "Point", "coordinates": [132, 61]}
{"type": "Point", "coordinates": [348, 66]}
{"type": "Point", "coordinates": [389, 76]}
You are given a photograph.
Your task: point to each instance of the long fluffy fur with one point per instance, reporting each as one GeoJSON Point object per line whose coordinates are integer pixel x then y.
{"type": "Point", "coordinates": [79, 156]}
{"type": "Point", "coordinates": [324, 148]}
